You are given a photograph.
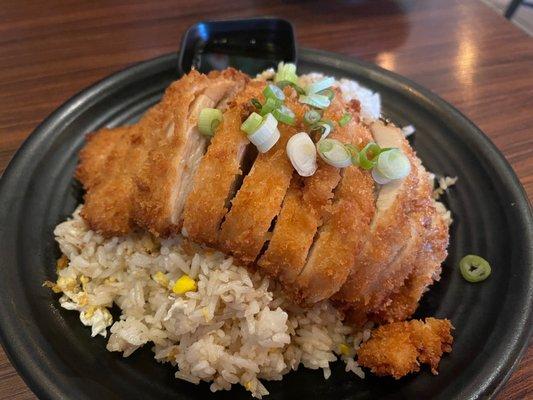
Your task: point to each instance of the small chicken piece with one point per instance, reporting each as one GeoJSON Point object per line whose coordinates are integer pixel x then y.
{"type": "Point", "coordinates": [106, 173]}
{"type": "Point", "coordinates": [398, 349]}
{"type": "Point", "coordinates": [305, 206]}
{"type": "Point", "coordinates": [220, 171]}
{"type": "Point", "coordinates": [165, 179]}
{"type": "Point", "coordinates": [259, 200]}
{"type": "Point", "coordinates": [390, 231]}
{"type": "Point", "coordinates": [339, 240]}
{"type": "Point", "coordinates": [427, 269]}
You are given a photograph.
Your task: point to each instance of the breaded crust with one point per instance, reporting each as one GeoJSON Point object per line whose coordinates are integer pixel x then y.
{"type": "Point", "coordinates": [398, 349]}
{"type": "Point", "coordinates": [166, 177]}
{"type": "Point", "coordinates": [333, 254]}
{"type": "Point", "coordinates": [304, 208]}
{"type": "Point", "coordinates": [258, 202]}
{"type": "Point", "coordinates": [219, 171]}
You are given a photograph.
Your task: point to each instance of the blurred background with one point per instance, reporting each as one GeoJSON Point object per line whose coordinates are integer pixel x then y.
{"type": "Point", "coordinates": [520, 12]}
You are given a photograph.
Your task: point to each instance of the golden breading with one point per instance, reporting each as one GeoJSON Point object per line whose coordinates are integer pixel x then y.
{"type": "Point", "coordinates": [177, 147]}
{"type": "Point", "coordinates": [338, 241]}
{"type": "Point", "coordinates": [219, 171]}
{"type": "Point", "coordinates": [304, 208]}
{"type": "Point", "coordinates": [427, 268]}
{"type": "Point", "coordinates": [398, 349]}
{"type": "Point", "coordinates": [258, 202]}
{"type": "Point", "coordinates": [390, 231]}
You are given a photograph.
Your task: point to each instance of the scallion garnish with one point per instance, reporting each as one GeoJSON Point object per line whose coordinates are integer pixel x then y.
{"type": "Point", "coordinates": [266, 135]}
{"type": "Point", "coordinates": [273, 92]}
{"type": "Point", "coordinates": [345, 119]}
{"type": "Point", "coordinates": [269, 106]}
{"type": "Point", "coordinates": [302, 154]}
{"type": "Point", "coordinates": [321, 85]}
{"type": "Point", "coordinates": [474, 268]}
{"type": "Point", "coordinates": [315, 100]}
{"type": "Point", "coordinates": [379, 178]}
{"type": "Point", "coordinates": [256, 103]}
{"type": "Point", "coordinates": [208, 120]}
{"type": "Point", "coordinates": [330, 94]}
{"type": "Point", "coordinates": [297, 88]}
{"type": "Point", "coordinates": [312, 117]}
{"type": "Point", "coordinates": [393, 164]}
{"type": "Point", "coordinates": [368, 156]}
{"type": "Point", "coordinates": [354, 153]}
{"type": "Point", "coordinates": [286, 72]}
{"type": "Point", "coordinates": [334, 153]}
{"type": "Point", "coordinates": [284, 114]}
{"type": "Point", "coordinates": [252, 123]}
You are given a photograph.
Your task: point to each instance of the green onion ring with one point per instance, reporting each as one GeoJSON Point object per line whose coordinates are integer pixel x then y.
{"type": "Point", "coordinates": [208, 120]}
{"type": "Point", "coordinates": [345, 119]}
{"type": "Point", "coordinates": [474, 268]}
{"type": "Point", "coordinates": [312, 117]}
{"type": "Point", "coordinates": [273, 92]}
{"type": "Point", "coordinates": [252, 123]}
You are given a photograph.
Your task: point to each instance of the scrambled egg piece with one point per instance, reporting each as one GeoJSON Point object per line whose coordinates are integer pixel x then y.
{"type": "Point", "coordinates": [399, 348]}
{"type": "Point", "coordinates": [184, 284]}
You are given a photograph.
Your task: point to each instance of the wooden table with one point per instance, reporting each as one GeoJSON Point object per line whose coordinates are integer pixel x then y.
{"type": "Point", "coordinates": [462, 50]}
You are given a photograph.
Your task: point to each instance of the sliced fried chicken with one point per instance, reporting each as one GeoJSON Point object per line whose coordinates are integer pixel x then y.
{"type": "Point", "coordinates": [427, 268]}
{"type": "Point", "coordinates": [177, 147]}
{"type": "Point", "coordinates": [390, 231]}
{"type": "Point", "coordinates": [220, 171]}
{"type": "Point", "coordinates": [305, 206]}
{"type": "Point", "coordinates": [258, 201]}
{"type": "Point", "coordinates": [338, 241]}
{"type": "Point", "coordinates": [398, 349]}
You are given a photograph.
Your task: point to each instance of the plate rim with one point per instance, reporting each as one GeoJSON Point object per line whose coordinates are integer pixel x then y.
{"type": "Point", "coordinates": [35, 377]}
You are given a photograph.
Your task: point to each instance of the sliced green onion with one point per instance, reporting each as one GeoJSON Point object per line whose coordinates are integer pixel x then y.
{"type": "Point", "coordinates": [284, 114]}
{"type": "Point", "coordinates": [334, 153]}
{"type": "Point", "coordinates": [312, 117]}
{"type": "Point", "coordinates": [330, 94]}
{"type": "Point", "coordinates": [269, 106]}
{"type": "Point", "coordinates": [266, 135]}
{"type": "Point", "coordinates": [256, 103]}
{"type": "Point", "coordinates": [315, 100]}
{"type": "Point", "coordinates": [324, 128]}
{"type": "Point", "coordinates": [379, 178]}
{"type": "Point", "coordinates": [474, 268]}
{"type": "Point", "coordinates": [371, 150]}
{"type": "Point", "coordinates": [297, 88]}
{"type": "Point", "coordinates": [354, 153]}
{"type": "Point", "coordinates": [286, 72]}
{"type": "Point", "coordinates": [273, 92]}
{"type": "Point", "coordinates": [252, 123]}
{"type": "Point", "coordinates": [320, 85]}
{"type": "Point", "coordinates": [208, 120]}
{"type": "Point", "coordinates": [302, 154]}
{"type": "Point", "coordinates": [345, 119]}
{"type": "Point", "coordinates": [393, 164]}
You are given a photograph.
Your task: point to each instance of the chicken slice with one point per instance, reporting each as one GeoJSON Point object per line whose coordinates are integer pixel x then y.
{"type": "Point", "coordinates": [390, 229]}
{"type": "Point", "coordinates": [427, 268]}
{"type": "Point", "coordinates": [398, 349]}
{"type": "Point", "coordinates": [305, 206]}
{"type": "Point", "coordinates": [258, 201]}
{"type": "Point", "coordinates": [339, 240]}
{"type": "Point", "coordinates": [176, 147]}
{"type": "Point", "coordinates": [220, 171]}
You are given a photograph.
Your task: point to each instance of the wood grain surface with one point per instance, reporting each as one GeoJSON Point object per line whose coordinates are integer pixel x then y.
{"type": "Point", "coordinates": [461, 50]}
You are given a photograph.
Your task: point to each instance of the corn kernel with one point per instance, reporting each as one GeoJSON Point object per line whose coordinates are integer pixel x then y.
{"type": "Point", "coordinates": [161, 278]}
{"type": "Point", "coordinates": [62, 262]}
{"type": "Point", "coordinates": [344, 349]}
{"type": "Point", "coordinates": [184, 284]}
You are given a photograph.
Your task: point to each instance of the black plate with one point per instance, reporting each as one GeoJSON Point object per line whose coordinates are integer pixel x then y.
{"type": "Point", "coordinates": [58, 359]}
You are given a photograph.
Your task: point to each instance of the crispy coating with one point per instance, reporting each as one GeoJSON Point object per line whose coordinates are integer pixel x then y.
{"type": "Point", "coordinates": [304, 208]}
{"type": "Point", "coordinates": [338, 241]}
{"type": "Point", "coordinates": [258, 201]}
{"type": "Point", "coordinates": [177, 147]}
{"type": "Point", "coordinates": [106, 172]}
{"type": "Point", "coordinates": [219, 171]}
{"type": "Point", "coordinates": [427, 268]}
{"type": "Point", "coordinates": [398, 349]}
{"type": "Point", "coordinates": [371, 281]}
